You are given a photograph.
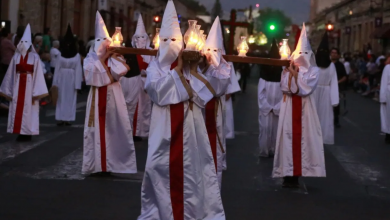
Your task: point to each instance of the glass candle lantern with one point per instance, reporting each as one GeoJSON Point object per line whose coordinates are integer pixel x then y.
{"type": "Point", "coordinates": [191, 37]}
{"type": "Point", "coordinates": [284, 50]}
{"type": "Point", "coordinates": [242, 47]}
{"type": "Point", "coordinates": [201, 41]}
{"type": "Point", "coordinates": [117, 37]}
{"type": "Point", "coordinates": [156, 39]}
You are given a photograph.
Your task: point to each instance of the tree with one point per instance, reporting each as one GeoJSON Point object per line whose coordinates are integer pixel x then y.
{"type": "Point", "coordinates": [217, 10]}
{"type": "Point", "coordinates": [273, 23]}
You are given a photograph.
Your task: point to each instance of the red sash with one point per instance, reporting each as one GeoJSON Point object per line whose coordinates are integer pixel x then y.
{"type": "Point", "coordinates": [297, 135]}
{"type": "Point", "coordinates": [176, 170]}
{"type": "Point", "coordinates": [102, 107]}
{"type": "Point", "coordinates": [211, 126]}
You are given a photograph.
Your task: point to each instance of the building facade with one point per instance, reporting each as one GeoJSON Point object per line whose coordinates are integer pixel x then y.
{"type": "Point", "coordinates": [359, 25]}
{"type": "Point", "coordinates": [80, 14]}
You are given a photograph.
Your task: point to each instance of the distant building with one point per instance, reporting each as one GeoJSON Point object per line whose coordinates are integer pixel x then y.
{"type": "Point", "coordinates": [80, 14]}
{"type": "Point", "coordinates": [357, 24]}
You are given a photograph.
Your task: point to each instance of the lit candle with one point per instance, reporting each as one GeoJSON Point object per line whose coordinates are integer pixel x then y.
{"type": "Point", "coordinates": [242, 47]}
{"type": "Point", "coordinates": [156, 39]}
{"type": "Point", "coordinates": [191, 37]}
{"type": "Point", "coordinates": [284, 50]}
{"type": "Point", "coordinates": [117, 42]}
{"type": "Point", "coordinates": [117, 37]}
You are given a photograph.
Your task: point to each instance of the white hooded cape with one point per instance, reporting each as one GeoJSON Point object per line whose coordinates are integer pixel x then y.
{"type": "Point", "coordinates": [326, 96]}
{"type": "Point", "coordinates": [384, 98]}
{"type": "Point", "coordinates": [24, 84]}
{"type": "Point", "coordinates": [68, 78]}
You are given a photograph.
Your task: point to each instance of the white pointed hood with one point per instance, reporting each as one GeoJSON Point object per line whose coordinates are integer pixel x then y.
{"type": "Point", "coordinates": [214, 43]}
{"type": "Point", "coordinates": [140, 38]}
{"type": "Point", "coordinates": [171, 38]}
{"type": "Point", "coordinates": [102, 38]}
{"type": "Point", "coordinates": [303, 55]}
{"type": "Point", "coordinates": [25, 42]}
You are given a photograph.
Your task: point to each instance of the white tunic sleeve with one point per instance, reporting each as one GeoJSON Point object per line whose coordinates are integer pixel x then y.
{"type": "Point", "coordinates": [201, 92]}
{"type": "Point", "coordinates": [78, 73]}
{"type": "Point", "coordinates": [57, 69]}
{"type": "Point", "coordinates": [94, 71]}
{"type": "Point", "coordinates": [264, 107]}
{"type": "Point", "coordinates": [334, 86]}
{"type": "Point", "coordinates": [307, 82]}
{"type": "Point", "coordinates": [164, 88]}
{"type": "Point", "coordinates": [384, 83]}
{"type": "Point", "coordinates": [118, 68]}
{"type": "Point", "coordinates": [7, 85]}
{"type": "Point", "coordinates": [233, 86]}
{"type": "Point", "coordinates": [39, 84]}
{"type": "Point", "coordinates": [219, 77]}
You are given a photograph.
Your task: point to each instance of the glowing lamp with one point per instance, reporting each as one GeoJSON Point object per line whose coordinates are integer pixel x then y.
{"type": "Point", "coordinates": [242, 47]}
{"type": "Point", "coordinates": [284, 50]}
{"type": "Point", "coordinates": [201, 41]}
{"type": "Point", "coordinates": [117, 37]}
{"type": "Point", "coordinates": [191, 37]}
{"type": "Point", "coordinates": [251, 39]}
{"type": "Point", "coordinates": [156, 39]}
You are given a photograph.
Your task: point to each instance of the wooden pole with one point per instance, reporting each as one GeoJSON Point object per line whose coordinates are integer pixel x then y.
{"type": "Point", "coordinates": [229, 58]}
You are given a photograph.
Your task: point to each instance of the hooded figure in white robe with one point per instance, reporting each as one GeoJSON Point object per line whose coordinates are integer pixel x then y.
{"type": "Point", "coordinates": [233, 87]}
{"type": "Point", "coordinates": [24, 85]}
{"type": "Point", "coordinates": [180, 180]}
{"type": "Point", "coordinates": [138, 103]}
{"type": "Point", "coordinates": [326, 95]}
{"type": "Point", "coordinates": [299, 147]}
{"type": "Point", "coordinates": [214, 108]}
{"type": "Point", "coordinates": [68, 79]}
{"type": "Point", "coordinates": [108, 140]}
{"type": "Point", "coordinates": [384, 99]}
{"type": "Point", "coordinates": [269, 100]}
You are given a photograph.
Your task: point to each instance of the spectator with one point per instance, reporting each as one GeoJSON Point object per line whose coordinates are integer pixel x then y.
{"type": "Point", "coordinates": [372, 69]}
{"type": "Point", "coordinates": [38, 43]}
{"type": "Point", "coordinates": [55, 54]}
{"type": "Point", "coordinates": [46, 45]}
{"type": "Point", "coordinates": [341, 77]}
{"type": "Point", "coordinates": [19, 35]}
{"type": "Point", "coordinates": [7, 50]}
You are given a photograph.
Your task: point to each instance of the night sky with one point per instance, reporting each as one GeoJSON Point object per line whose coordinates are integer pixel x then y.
{"type": "Point", "coordinates": [297, 10]}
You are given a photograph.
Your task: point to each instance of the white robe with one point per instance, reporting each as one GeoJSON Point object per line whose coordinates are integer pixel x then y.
{"type": "Point", "coordinates": [326, 97]}
{"type": "Point", "coordinates": [269, 98]}
{"type": "Point", "coordinates": [299, 147]}
{"type": "Point", "coordinates": [214, 114]}
{"type": "Point", "coordinates": [229, 115]}
{"type": "Point", "coordinates": [68, 78]}
{"type": "Point", "coordinates": [108, 140]}
{"type": "Point", "coordinates": [384, 98]}
{"type": "Point", "coordinates": [24, 91]}
{"type": "Point", "coordinates": [144, 112]}
{"type": "Point", "coordinates": [180, 180]}
{"type": "Point", "coordinates": [139, 105]}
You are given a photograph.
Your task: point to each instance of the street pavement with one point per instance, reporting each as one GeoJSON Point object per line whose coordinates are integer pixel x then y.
{"type": "Point", "coordinates": [41, 179]}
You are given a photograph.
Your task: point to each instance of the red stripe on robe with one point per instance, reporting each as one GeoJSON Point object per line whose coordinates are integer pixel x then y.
{"type": "Point", "coordinates": [102, 108]}
{"type": "Point", "coordinates": [135, 118]}
{"type": "Point", "coordinates": [211, 126]}
{"type": "Point", "coordinates": [297, 135]}
{"type": "Point", "coordinates": [176, 169]}
{"type": "Point", "coordinates": [22, 68]}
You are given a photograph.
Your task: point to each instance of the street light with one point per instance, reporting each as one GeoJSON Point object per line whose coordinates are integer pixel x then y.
{"type": "Point", "coordinates": [329, 27]}
{"type": "Point", "coordinates": [272, 27]}
{"type": "Point", "coordinates": [157, 19]}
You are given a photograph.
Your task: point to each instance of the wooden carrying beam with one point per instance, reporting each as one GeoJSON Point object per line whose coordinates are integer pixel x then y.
{"type": "Point", "coordinates": [229, 58]}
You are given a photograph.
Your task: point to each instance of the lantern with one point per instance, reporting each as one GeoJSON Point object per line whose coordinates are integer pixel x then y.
{"type": "Point", "coordinates": [156, 39]}
{"type": "Point", "coordinates": [284, 50]}
{"type": "Point", "coordinates": [242, 47]}
{"type": "Point", "coordinates": [191, 37]}
{"type": "Point", "coordinates": [117, 37]}
{"type": "Point", "coordinates": [201, 41]}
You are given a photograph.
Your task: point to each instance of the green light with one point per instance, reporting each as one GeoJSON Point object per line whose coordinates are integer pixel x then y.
{"type": "Point", "coordinates": [272, 27]}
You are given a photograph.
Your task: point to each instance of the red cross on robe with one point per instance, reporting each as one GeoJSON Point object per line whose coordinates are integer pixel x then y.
{"type": "Point", "coordinates": [22, 69]}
